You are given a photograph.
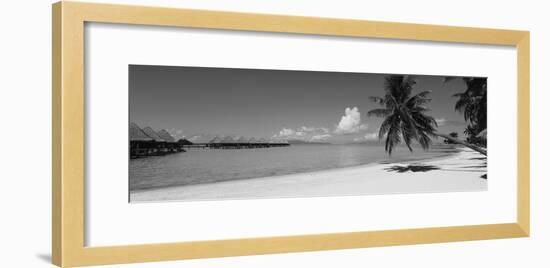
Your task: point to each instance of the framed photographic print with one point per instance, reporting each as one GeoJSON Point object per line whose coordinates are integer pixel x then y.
{"type": "Point", "coordinates": [181, 134]}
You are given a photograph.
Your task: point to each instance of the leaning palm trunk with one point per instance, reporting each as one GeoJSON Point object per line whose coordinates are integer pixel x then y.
{"type": "Point", "coordinates": [479, 149]}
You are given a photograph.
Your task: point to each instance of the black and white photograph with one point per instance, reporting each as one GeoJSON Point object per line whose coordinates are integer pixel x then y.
{"type": "Point", "coordinates": [198, 133]}
{"type": "Point", "coordinates": [275, 134]}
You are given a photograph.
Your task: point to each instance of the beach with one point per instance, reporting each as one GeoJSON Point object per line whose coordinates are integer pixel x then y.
{"type": "Point", "coordinates": [461, 171]}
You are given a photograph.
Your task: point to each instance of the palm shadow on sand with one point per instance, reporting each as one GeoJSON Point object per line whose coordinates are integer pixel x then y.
{"type": "Point", "coordinates": [412, 168]}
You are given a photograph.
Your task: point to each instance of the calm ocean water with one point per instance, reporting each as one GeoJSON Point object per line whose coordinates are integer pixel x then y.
{"type": "Point", "coordinates": [210, 165]}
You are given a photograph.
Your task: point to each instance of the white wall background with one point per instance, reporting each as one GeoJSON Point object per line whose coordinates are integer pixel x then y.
{"type": "Point", "coordinates": [25, 132]}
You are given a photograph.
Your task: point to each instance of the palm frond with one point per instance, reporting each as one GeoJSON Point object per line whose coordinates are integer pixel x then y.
{"type": "Point", "coordinates": [408, 122]}
{"type": "Point", "coordinates": [419, 109]}
{"type": "Point", "coordinates": [377, 100]}
{"type": "Point", "coordinates": [424, 121]}
{"type": "Point", "coordinates": [463, 102]}
{"type": "Point", "coordinates": [385, 126]}
{"type": "Point", "coordinates": [424, 140]}
{"type": "Point", "coordinates": [423, 94]}
{"type": "Point", "coordinates": [381, 112]}
{"type": "Point", "coordinates": [419, 99]}
{"type": "Point", "coordinates": [407, 85]}
{"type": "Point", "coordinates": [457, 95]}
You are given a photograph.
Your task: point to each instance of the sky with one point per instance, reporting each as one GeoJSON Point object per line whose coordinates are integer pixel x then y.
{"type": "Point", "coordinates": [308, 105]}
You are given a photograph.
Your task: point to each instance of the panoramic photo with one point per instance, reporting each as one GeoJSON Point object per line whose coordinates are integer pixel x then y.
{"type": "Point", "coordinates": [198, 133]}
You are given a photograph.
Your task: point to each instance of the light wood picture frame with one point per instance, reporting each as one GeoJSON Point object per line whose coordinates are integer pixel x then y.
{"type": "Point", "coordinates": [68, 210]}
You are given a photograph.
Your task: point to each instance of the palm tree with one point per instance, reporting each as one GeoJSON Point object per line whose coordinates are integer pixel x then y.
{"type": "Point", "coordinates": [472, 103]}
{"type": "Point", "coordinates": [405, 116]}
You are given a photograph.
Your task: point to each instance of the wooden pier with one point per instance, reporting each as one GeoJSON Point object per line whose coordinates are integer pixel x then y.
{"type": "Point", "coordinates": [234, 145]}
{"type": "Point", "coordinates": [139, 150]}
{"type": "Point", "coordinates": [148, 142]}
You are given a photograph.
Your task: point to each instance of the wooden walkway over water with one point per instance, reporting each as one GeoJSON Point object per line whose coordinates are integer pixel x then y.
{"type": "Point", "coordinates": [148, 142]}
{"type": "Point", "coordinates": [234, 145]}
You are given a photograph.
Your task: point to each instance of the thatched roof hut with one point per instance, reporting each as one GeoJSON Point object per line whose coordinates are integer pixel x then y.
{"type": "Point", "coordinates": [137, 134]}
{"type": "Point", "coordinates": [184, 141]}
{"type": "Point", "coordinates": [215, 140]}
{"type": "Point", "coordinates": [163, 134]}
{"type": "Point", "coordinates": [151, 133]}
{"type": "Point", "coordinates": [252, 140]}
{"type": "Point", "coordinates": [228, 139]}
{"type": "Point", "coordinates": [242, 139]}
{"type": "Point", "coordinates": [262, 140]}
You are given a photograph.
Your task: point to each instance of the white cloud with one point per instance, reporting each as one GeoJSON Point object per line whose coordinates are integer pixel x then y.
{"type": "Point", "coordinates": [285, 132]}
{"type": "Point", "coordinates": [306, 129]}
{"type": "Point", "coordinates": [350, 123]}
{"type": "Point", "coordinates": [309, 129]}
{"type": "Point", "coordinates": [371, 136]}
{"type": "Point", "coordinates": [441, 121]}
{"type": "Point", "coordinates": [320, 137]}
{"type": "Point", "coordinates": [368, 137]}
{"type": "Point", "coordinates": [304, 133]}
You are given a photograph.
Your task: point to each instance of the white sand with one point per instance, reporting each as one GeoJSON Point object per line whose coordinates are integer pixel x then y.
{"type": "Point", "coordinates": [459, 172]}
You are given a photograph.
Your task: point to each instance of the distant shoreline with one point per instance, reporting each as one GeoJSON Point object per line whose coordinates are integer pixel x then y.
{"type": "Point", "coordinates": [446, 173]}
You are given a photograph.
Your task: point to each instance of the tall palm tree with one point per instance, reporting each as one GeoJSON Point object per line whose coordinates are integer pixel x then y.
{"type": "Point", "coordinates": [405, 116]}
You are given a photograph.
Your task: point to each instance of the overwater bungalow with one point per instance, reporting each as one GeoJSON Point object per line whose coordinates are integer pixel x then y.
{"type": "Point", "coordinates": [147, 142]}
{"type": "Point", "coordinates": [184, 141]}
{"type": "Point", "coordinates": [234, 142]}
{"type": "Point", "coordinates": [230, 142]}
{"type": "Point", "coordinates": [262, 143]}
{"type": "Point", "coordinates": [163, 134]}
{"type": "Point", "coordinates": [161, 144]}
{"type": "Point", "coordinates": [216, 139]}
{"type": "Point", "coordinates": [215, 143]}
{"type": "Point", "coordinates": [226, 142]}
{"type": "Point", "coordinates": [141, 145]}
{"type": "Point", "coordinates": [242, 140]}
{"type": "Point", "coordinates": [171, 143]}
